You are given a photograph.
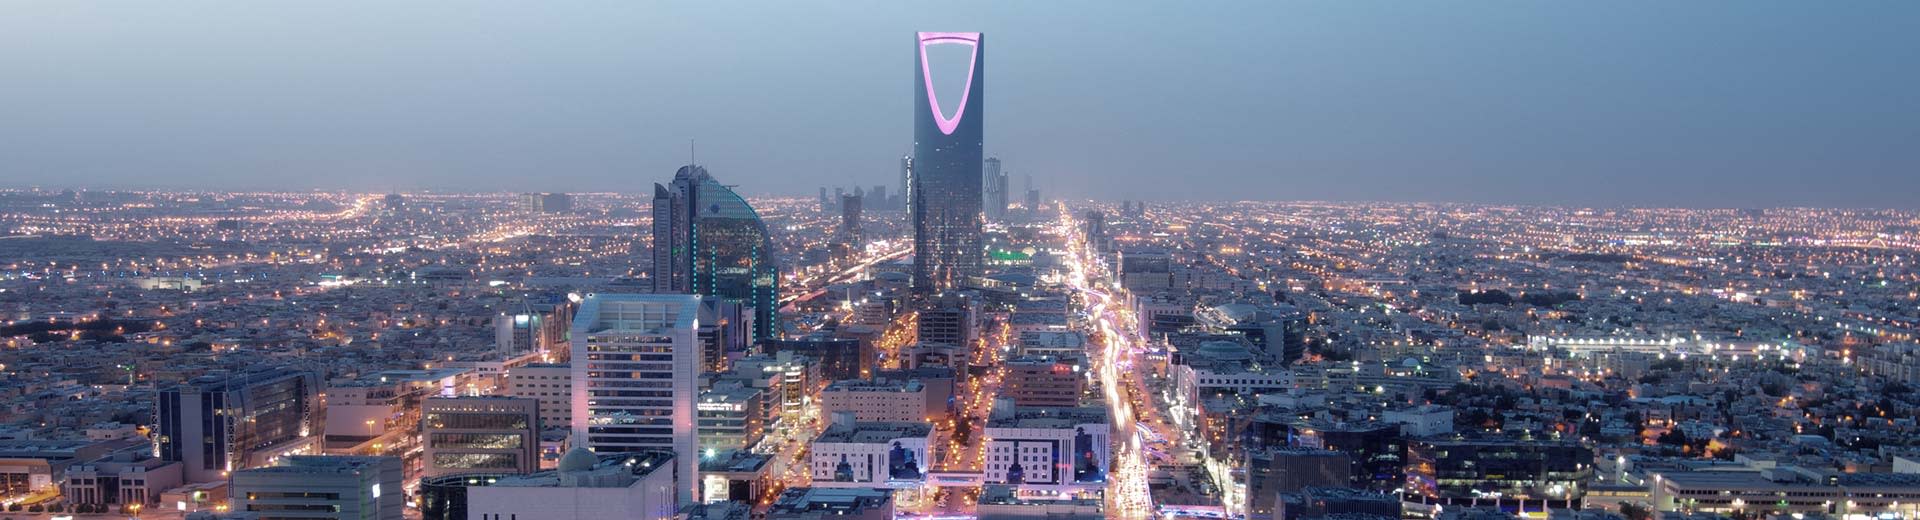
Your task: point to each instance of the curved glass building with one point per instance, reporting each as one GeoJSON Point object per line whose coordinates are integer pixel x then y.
{"type": "Point", "coordinates": [947, 154]}
{"type": "Point", "coordinates": [707, 240]}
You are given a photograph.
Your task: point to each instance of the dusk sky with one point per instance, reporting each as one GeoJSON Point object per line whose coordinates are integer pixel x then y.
{"type": "Point", "coordinates": [1593, 103]}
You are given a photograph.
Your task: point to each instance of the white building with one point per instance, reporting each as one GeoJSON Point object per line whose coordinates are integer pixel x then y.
{"type": "Point", "coordinates": [634, 361]}
{"type": "Point", "coordinates": [1224, 367]}
{"type": "Point", "coordinates": [637, 485]}
{"type": "Point", "coordinates": [1045, 447]}
{"type": "Point", "coordinates": [318, 486]}
{"type": "Point", "coordinates": [870, 454]}
{"type": "Point", "coordinates": [1421, 421]}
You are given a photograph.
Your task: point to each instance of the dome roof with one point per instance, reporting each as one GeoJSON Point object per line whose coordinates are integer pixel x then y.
{"type": "Point", "coordinates": [578, 459]}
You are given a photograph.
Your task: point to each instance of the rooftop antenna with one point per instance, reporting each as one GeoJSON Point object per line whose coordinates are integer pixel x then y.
{"type": "Point", "coordinates": [690, 153]}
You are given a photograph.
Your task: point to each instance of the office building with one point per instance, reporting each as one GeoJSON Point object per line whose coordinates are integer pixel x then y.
{"type": "Point", "coordinates": [1047, 447]}
{"type": "Point", "coordinates": [1093, 224]}
{"type": "Point", "coordinates": [219, 423]}
{"type": "Point", "coordinates": [551, 385]}
{"type": "Point", "coordinates": [906, 184]}
{"type": "Point", "coordinates": [823, 503]}
{"type": "Point", "coordinates": [790, 381]}
{"type": "Point", "coordinates": [1324, 502]}
{"type": "Point", "coordinates": [870, 454]}
{"type": "Point", "coordinates": [707, 240]}
{"type": "Point", "coordinates": [949, 320]}
{"type": "Point", "coordinates": [732, 417]}
{"type": "Point", "coordinates": [481, 435]}
{"type": "Point", "coordinates": [1043, 381]}
{"type": "Point", "coordinates": [995, 197]}
{"type": "Point", "coordinates": [1272, 472]}
{"type": "Point", "coordinates": [1377, 448]}
{"type": "Point", "coordinates": [546, 202]}
{"type": "Point", "coordinates": [837, 358]}
{"type": "Point", "coordinates": [877, 400]}
{"type": "Point", "coordinates": [735, 475]}
{"type": "Point", "coordinates": [36, 467]}
{"type": "Point", "coordinates": [1147, 270]}
{"type": "Point", "coordinates": [1005, 502]}
{"type": "Point", "coordinates": [640, 485]}
{"type": "Point", "coordinates": [322, 486]}
{"type": "Point", "coordinates": [378, 414]}
{"type": "Point", "coordinates": [1457, 471]}
{"type": "Point", "coordinates": [947, 155]}
{"type": "Point", "coordinates": [131, 475]}
{"type": "Point", "coordinates": [850, 208]}
{"type": "Point", "coordinates": [634, 372]}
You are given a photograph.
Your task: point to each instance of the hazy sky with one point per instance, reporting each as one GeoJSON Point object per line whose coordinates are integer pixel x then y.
{"type": "Point", "coordinates": [1749, 103]}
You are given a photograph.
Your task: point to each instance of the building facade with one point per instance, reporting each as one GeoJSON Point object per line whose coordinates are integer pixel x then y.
{"type": "Point", "coordinates": [707, 240]}
{"type": "Point", "coordinates": [634, 375]}
{"type": "Point", "coordinates": [327, 486]}
{"type": "Point", "coordinates": [481, 435]}
{"type": "Point", "coordinates": [220, 423]}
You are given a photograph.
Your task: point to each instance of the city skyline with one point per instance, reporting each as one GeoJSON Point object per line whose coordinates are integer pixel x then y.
{"type": "Point", "coordinates": [1111, 341]}
{"type": "Point", "coordinates": [1781, 105]}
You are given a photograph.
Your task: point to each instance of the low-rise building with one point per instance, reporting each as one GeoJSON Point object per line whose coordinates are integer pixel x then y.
{"type": "Point", "coordinates": [1047, 447]}
{"type": "Point", "coordinates": [639, 484]}
{"type": "Point", "coordinates": [870, 454]}
{"type": "Point", "coordinates": [876, 400]}
{"type": "Point", "coordinates": [318, 486]}
{"type": "Point", "coordinates": [837, 503]}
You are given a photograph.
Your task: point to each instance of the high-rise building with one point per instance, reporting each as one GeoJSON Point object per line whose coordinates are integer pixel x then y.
{"type": "Point", "coordinates": [947, 154]}
{"type": "Point", "coordinates": [481, 435]}
{"type": "Point", "coordinates": [635, 365]}
{"type": "Point", "coordinates": [850, 208]}
{"type": "Point", "coordinates": [220, 423]}
{"type": "Point", "coordinates": [906, 183]}
{"type": "Point", "coordinates": [995, 182]}
{"type": "Point", "coordinates": [707, 240]}
{"type": "Point", "coordinates": [359, 488]}
{"type": "Point", "coordinates": [546, 202]}
{"type": "Point", "coordinates": [1095, 223]}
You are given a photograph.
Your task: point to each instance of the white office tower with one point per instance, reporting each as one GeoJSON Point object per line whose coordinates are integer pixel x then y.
{"type": "Point", "coordinates": [634, 368]}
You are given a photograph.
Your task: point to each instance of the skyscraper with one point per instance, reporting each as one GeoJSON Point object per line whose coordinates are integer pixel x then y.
{"type": "Point", "coordinates": [947, 153]}
{"type": "Point", "coordinates": [219, 423]}
{"type": "Point", "coordinates": [906, 183]}
{"type": "Point", "coordinates": [850, 207]}
{"type": "Point", "coordinates": [995, 182]}
{"type": "Point", "coordinates": [635, 362]}
{"type": "Point", "coordinates": [707, 240]}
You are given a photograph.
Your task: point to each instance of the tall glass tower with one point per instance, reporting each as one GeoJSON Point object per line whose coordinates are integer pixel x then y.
{"type": "Point", "coordinates": [946, 188]}
{"type": "Point", "coordinates": [709, 241]}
